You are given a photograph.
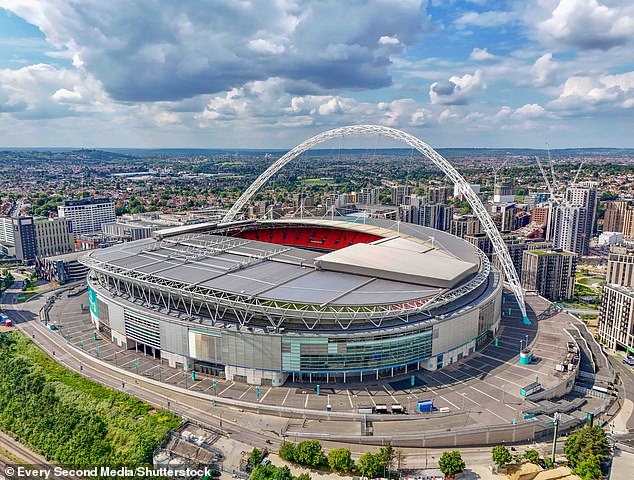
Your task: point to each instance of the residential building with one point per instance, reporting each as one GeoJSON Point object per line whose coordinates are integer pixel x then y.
{"type": "Point", "coordinates": [439, 195]}
{"type": "Point", "coordinates": [516, 246]}
{"type": "Point", "coordinates": [400, 192]}
{"type": "Point", "coordinates": [465, 225]}
{"type": "Point", "coordinates": [482, 241]}
{"type": "Point", "coordinates": [619, 217]}
{"type": "Point", "coordinates": [437, 215]}
{"type": "Point", "coordinates": [569, 228]}
{"type": "Point", "coordinates": [87, 215]}
{"type": "Point", "coordinates": [368, 196]}
{"type": "Point", "coordinates": [550, 273]}
{"type": "Point", "coordinates": [503, 192]}
{"type": "Point", "coordinates": [621, 266]}
{"type": "Point", "coordinates": [503, 215]}
{"type": "Point", "coordinates": [616, 321]}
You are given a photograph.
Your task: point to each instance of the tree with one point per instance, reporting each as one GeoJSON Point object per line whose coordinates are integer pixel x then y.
{"type": "Point", "coordinates": [585, 442]}
{"type": "Point", "coordinates": [501, 455]}
{"type": "Point", "coordinates": [386, 455]}
{"type": "Point", "coordinates": [340, 460]}
{"type": "Point", "coordinates": [256, 457]}
{"type": "Point", "coordinates": [532, 456]}
{"type": "Point", "coordinates": [309, 452]}
{"type": "Point", "coordinates": [287, 451]}
{"type": "Point", "coordinates": [370, 465]}
{"type": "Point", "coordinates": [302, 476]}
{"type": "Point", "coordinates": [271, 472]}
{"type": "Point", "coordinates": [589, 468]}
{"type": "Point", "coordinates": [451, 463]}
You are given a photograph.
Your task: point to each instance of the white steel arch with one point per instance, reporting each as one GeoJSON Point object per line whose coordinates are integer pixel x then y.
{"type": "Point", "coordinates": [498, 244]}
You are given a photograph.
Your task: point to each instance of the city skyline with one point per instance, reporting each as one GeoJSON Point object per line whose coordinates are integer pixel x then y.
{"type": "Point", "coordinates": [238, 75]}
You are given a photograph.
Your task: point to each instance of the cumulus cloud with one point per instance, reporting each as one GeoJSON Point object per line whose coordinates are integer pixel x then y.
{"type": "Point", "coordinates": [184, 49]}
{"type": "Point", "coordinates": [457, 90]}
{"type": "Point", "coordinates": [266, 103]}
{"type": "Point", "coordinates": [481, 54]}
{"type": "Point", "coordinates": [591, 94]}
{"type": "Point", "coordinates": [543, 68]}
{"type": "Point", "coordinates": [588, 24]}
{"type": "Point", "coordinates": [45, 91]}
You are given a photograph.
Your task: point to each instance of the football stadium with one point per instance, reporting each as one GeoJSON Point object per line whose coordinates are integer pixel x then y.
{"type": "Point", "coordinates": [297, 300]}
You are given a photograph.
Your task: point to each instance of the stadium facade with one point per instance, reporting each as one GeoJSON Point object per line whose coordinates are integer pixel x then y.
{"type": "Point", "coordinates": [311, 300]}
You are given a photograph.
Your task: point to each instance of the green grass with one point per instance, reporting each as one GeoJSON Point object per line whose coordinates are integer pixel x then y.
{"type": "Point", "coordinates": [69, 419]}
{"type": "Point", "coordinates": [26, 296]}
{"type": "Point", "coordinates": [316, 182]}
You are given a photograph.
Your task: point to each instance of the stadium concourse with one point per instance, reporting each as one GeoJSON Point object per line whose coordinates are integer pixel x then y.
{"type": "Point", "coordinates": [485, 386]}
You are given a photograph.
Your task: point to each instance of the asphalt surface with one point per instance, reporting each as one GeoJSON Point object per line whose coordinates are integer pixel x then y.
{"type": "Point", "coordinates": [484, 386]}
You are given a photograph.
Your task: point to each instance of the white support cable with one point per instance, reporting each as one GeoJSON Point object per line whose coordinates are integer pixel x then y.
{"type": "Point", "coordinates": [463, 187]}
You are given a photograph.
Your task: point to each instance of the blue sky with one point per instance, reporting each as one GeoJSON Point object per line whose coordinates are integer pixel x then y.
{"type": "Point", "coordinates": [270, 73]}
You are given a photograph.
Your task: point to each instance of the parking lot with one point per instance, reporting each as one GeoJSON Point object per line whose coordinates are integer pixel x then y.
{"type": "Point", "coordinates": [486, 385]}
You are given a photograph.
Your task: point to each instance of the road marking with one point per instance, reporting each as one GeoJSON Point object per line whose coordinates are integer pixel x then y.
{"type": "Point", "coordinates": [288, 390]}
{"type": "Point", "coordinates": [173, 376]}
{"type": "Point", "coordinates": [306, 402]}
{"type": "Point", "coordinates": [350, 399]}
{"type": "Point", "coordinates": [244, 393]}
{"type": "Point", "coordinates": [265, 394]}
{"type": "Point", "coordinates": [450, 403]}
{"type": "Point", "coordinates": [486, 394]}
{"type": "Point", "coordinates": [223, 391]}
{"type": "Point", "coordinates": [501, 418]}
{"type": "Point", "coordinates": [373, 402]}
{"type": "Point", "coordinates": [388, 392]}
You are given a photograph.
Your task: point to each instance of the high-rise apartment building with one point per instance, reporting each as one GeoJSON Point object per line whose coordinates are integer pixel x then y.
{"type": "Point", "coordinates": [619, 217]}
{"type": "Point", "coordinates": [569, 228]}
{"type": "Point", "coordinates": [466, 225]}
{"type": "Point", "coordinates": [437, 215]}
{"type": "Point", "coordinates": [621, 266]}
{"type": "Point", "coordinates": [503, 215]}
{"type": "Point", "coordinates": [616, 321]}
{"type": "Point", "coordinates": [87, 215]}
{"type": "Point", "coordinates": [368, 196]}
{"type": "Point", "coordinates": [503, 192]}
{"type": "Point", "coordinates": [439, 194]}
{"type": "Point", "coordinates": [550, 273]}
{"type": "Point", "coordinates": [399, 193]}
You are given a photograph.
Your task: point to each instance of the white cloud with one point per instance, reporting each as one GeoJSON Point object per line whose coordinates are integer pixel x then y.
{"type": "Point", "coordinates": [543, 68]}
{"type": "Point", "coordinates": [589, 93]}
{"type": "Point", "coordinates": [588, 24]}
{"type": "Point", "coordinates": [387, 40]}
{"type": "Point", "coordinates": [530, 110]}
{"type": "Point", "coordinates": [481, 54]}
{"type": "Point", "coordinates": [268, 47]}
{"type": "Point", "coordinates": [492, 18]}
{"type": "Point", "coordinates": [457, 90]}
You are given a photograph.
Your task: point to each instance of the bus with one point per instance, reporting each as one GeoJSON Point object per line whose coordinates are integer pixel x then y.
{"type": "Point", "coordinates": [629, 361]}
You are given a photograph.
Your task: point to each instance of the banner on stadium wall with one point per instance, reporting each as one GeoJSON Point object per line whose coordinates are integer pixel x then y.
{"type": "Point", "coordinates": [92, 299]}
